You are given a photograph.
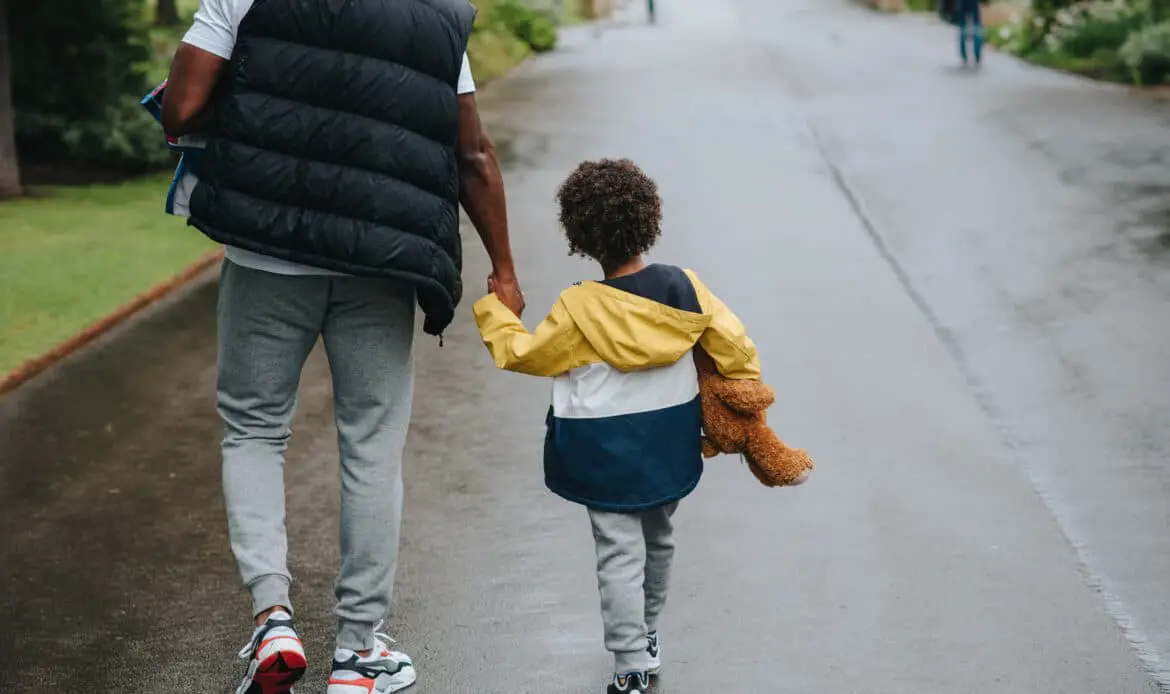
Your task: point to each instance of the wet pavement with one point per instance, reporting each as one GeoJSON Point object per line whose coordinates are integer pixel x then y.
{"type": "Point", "coordinates": [959, 285]}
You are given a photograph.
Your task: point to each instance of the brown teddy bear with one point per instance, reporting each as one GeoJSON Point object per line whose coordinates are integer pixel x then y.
{"type": "Point", "coordinates": [734, 421]}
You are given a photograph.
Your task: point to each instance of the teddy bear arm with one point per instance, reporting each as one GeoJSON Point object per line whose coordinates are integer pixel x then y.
{"type": "Point", "coordinates": [774, 460]}
{"type": "Point", "coordinates": [748, 397]}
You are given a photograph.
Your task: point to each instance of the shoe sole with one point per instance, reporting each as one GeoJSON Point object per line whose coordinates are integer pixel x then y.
{"type": "Point", "coordinates": [655, 666]}
{"type": "Point", "coordinates": [401, 680]}
{"type": "Point", "coordinates": [407, 679]}
{"type": "Point", "coordinates": [277, 674]}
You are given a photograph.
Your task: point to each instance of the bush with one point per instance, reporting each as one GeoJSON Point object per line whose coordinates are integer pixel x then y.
{"type": "Point", "coordinates": [537, 29]}
{"type": "Point", "coordinates": [1014, 39]}
{"type": "Point", "coordinates": [1085, 39]}
{"type": "Point", "coordinates": [1096, 28]}
{"type": "Point", "coordinates": [73, 59]}
{"type": "Point", "coordinates": [123, 138]}
{"type": "Point", "coordinates": [1147, 54]}
{"type": "Point", "coordinates": [79, 69]}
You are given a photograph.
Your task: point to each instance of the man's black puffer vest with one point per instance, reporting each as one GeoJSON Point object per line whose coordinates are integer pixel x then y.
{"type": "Point", "coordinates": [333, 141]}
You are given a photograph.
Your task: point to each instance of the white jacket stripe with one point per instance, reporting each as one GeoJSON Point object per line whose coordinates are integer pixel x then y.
{"type": "Point", "coordinates": [599, 390]}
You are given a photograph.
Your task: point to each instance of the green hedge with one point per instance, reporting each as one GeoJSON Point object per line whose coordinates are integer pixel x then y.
{"type": "Point", "coordinates": [1114, 41]}
{"type": "Point", "coordinates": [535, 28]}
{"type": "Point", "coordinates": [505, 33]}
{"type": "Point", "coordinates": [1147, 54]}
{"type": "Point", "coordinates": [79, 69]}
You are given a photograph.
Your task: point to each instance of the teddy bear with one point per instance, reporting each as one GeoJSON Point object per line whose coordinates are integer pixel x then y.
{"type": "Point", "coordinates": [734, 421]}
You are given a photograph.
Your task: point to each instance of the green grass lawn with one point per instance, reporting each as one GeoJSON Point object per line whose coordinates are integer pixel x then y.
{"type": "Point", "coordinates": [68, 259]}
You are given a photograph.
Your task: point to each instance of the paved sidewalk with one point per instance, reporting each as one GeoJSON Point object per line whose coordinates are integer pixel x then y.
{"type": "Point", "coordinates": [957, 283]}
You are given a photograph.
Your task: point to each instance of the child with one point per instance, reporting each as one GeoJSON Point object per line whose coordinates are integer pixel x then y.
{"type": "Point", "coordinates": [624, 427]}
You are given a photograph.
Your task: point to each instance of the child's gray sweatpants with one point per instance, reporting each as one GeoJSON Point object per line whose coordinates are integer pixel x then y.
{"type": "Point", "coordinates": [268, 324]}
{"type": "Point", "coordinates": [634, 553]}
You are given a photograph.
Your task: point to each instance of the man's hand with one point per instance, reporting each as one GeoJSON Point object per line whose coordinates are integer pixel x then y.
{"type": "Point", "coordinates": [507, 290]}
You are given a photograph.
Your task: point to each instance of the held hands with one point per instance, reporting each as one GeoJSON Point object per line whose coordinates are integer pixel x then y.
{"type": "Point", "coordinates": [507, 290]}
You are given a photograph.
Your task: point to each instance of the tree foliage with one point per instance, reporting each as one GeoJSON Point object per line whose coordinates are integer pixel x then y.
{"type": "Point", "coordinates": [166, 13]}
{"type": "Point", "coordinates": [1044, 14]}
{"type": "Point", "coordinates": [78, 68]}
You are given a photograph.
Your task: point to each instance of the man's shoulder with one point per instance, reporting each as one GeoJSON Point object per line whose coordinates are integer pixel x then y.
{"type": "Point", "coordinates": [235, 9]}
{"type": "Point", "coordinates": [232, 11]}
{"type": "Point", "coordinates": [216, 24]}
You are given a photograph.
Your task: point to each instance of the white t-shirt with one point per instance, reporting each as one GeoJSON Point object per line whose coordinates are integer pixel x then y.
{"type": "Point", "coordinates": [214, 30]}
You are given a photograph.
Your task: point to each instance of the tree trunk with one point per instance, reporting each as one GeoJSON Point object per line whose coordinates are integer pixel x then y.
{"type": "Point", "coordinates": [9, 168]}
{"type": "Point", "coordinates": [166, 13]}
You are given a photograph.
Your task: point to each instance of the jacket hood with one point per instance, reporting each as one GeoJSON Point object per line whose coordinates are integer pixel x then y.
{"type": "Point", "coordinates": [631, 332]}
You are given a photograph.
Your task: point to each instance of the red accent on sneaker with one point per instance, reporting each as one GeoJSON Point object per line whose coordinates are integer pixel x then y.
{"type": "Point", "coordinates": [277, 673]}
{"type": "Point", "coordinates": [366, 682]}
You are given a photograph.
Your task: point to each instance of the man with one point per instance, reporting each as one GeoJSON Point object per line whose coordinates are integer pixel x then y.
{"type": "Point", "coordinates": [342, 136]}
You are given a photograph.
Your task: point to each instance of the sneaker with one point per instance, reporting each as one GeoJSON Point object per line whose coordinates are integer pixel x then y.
{"type": "Point", "coordinates": [381, 672]}
{"type": "Point", "coordinates": [275, 655]}
{"type": "Point", "coordinates": [652, 651]}
{"type": "Point", "coordinates": [632, 683]}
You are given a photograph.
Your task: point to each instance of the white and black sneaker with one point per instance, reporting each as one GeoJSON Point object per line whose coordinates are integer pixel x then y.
{"type": "Point", "coordinates": [630, 683]}
{"type": "Point", "coordinates": [381, 672]}
{"type": "Point", "coordinates": [275, 655]}
{"type": "Point", "coordinates": [655, 665]}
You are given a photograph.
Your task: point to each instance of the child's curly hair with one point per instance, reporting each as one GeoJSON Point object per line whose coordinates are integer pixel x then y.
{"type": "Point", "coordinates": [610, 210]}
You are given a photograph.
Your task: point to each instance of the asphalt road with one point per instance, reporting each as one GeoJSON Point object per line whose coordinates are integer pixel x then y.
{"type": "Point", "coordinates": [959, 285]}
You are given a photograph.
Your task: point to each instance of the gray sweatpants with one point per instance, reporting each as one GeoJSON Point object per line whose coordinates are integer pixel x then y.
{"type": "Point", "coordinates": [634, 553]}
{"type": "Point", "coordinates": [268, 325]}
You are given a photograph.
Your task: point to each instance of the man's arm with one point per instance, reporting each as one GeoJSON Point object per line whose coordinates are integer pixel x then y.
{"type": "Point", "coordinates": [186, 102]}
{"type": "Point", "coordinates": [197, 66]}
{"type": "Point", "coordinates": [481, 192]}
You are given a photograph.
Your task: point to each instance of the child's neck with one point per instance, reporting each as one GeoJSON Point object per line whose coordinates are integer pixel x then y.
{"type": "Point", "coordinates": [625, 267]}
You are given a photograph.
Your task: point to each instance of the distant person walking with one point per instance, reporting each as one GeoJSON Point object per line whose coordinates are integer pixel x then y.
{"type": "Point", "coordinates": [966, 15]}
{"type": "Point", "coordinates": [970, 31]}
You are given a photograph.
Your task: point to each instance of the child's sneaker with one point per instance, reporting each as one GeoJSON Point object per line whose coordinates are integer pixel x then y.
{"type": "Point", "coordinates": [653, 651]}
{"type": "Point", "coordinates": [381, 672]}
{"type": "Point", "coordinates": [275, 655]}
{"type": "Point", "coordinates": [632, 683]}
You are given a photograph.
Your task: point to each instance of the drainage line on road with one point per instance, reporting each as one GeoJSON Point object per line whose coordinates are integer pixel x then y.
{"type": "Point", "coordinates": [1147, 655]}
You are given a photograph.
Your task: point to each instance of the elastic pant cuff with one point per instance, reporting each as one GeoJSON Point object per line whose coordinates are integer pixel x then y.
{"type": "Point", "coordinates": [355, 636]}
{"type": "Point", "coordinates": [625, 662]}
{"type": "Point", "coordinates": [268, 592]}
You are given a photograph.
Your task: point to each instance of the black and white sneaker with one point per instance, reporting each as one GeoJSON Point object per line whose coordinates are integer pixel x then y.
{"type": "Point", "coordinates": [275, 655]}
{"type": "Point", "coordinates": [652, 650]}
{"type": "Point", "coordinates": [381, 672]}
{"type": "Point", "coordinates": [632, 683]}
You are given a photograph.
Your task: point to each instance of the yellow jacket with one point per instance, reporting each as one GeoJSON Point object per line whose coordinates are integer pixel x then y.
{"type": "Point", "coordinates": [625, 422]}
{"type": "Point", "coordinates": [593, 322]}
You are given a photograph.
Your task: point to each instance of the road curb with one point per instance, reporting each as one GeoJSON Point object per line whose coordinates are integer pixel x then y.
{"type": "Point", "coordinates": [37, 365]}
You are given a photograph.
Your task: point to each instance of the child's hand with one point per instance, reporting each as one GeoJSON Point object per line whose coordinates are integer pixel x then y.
{"type": "Point", "coordinates": [491, 284]}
